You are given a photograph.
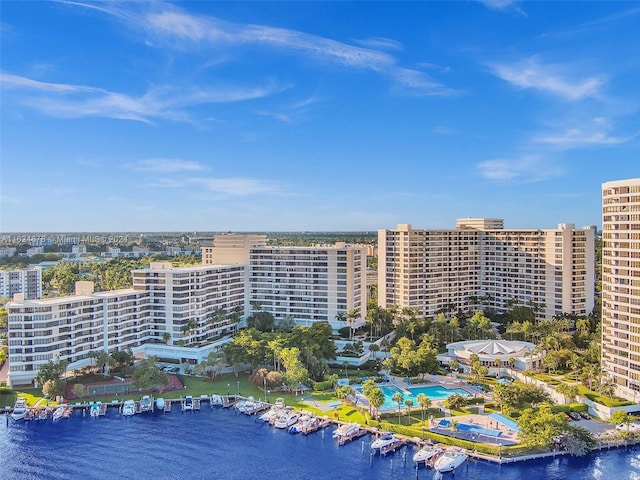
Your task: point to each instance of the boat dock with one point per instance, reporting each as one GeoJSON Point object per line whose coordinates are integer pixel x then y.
{"type": "Point", "coordinates": [392, 447]}
{"type": "Point", "coordinates": [319, 425]}
{"type": "Point", "coordinates": [102, 410]}
{"type": "Point", "coordinates": [347, 438]}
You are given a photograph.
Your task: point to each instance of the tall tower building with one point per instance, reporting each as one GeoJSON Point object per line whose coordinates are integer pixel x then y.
{"type": "Point", "coordinates": [481, 265]}
{"type": "Point", "coordinates": [621, 285]}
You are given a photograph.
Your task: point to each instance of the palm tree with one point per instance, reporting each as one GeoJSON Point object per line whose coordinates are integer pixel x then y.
{"type": "Point", "coordinates": [374, 348]}
{"type": "Point", "coordinates": [398, 398]}
{"type": "Point", "coordinates": [376, 399]}
{"type": "Point", "coordinates": [409, 403]}
{"type": "Point", "coordinates": [352, 315]}
{"type": "Point", "coordinates": [498, 364]}
{"type": "Point", "coordinates": [425, 404]}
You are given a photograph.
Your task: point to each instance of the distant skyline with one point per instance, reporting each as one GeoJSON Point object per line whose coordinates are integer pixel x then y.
{"type": "Point", "coordinates": [313, 116]}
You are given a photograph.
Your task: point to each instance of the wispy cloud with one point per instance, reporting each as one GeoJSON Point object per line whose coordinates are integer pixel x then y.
{"type": "Point", "coordinates": [444, 130]}
{"type": "Point", "coordinates": [380, 43]}
{"type": "Point", "coordinates": [524, 169]}
{"type": "Point", "coordinates": [170, 25]}
{"type": "Point", "coordinates": [165, 165]}
{"type": "Point", "coordinates": [77, 101]}
{"type": "Point", "coordinates": [532, 74]}
{"type": "Point", "coordinates": [503, 5]}
{"type": "Point", "coordinates": [593, 133]}
{"type": "Point", "coordinates": [233, 186]}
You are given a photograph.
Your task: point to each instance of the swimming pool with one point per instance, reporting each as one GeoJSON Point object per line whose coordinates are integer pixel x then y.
{"type": "Point", "coordinates": [434, 392]}
{"type": "Point", "coordinates": [477, 429]}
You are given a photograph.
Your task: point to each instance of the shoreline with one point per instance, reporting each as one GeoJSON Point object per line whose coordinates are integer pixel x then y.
{"type": "Point", "coordinates": [231, 400]}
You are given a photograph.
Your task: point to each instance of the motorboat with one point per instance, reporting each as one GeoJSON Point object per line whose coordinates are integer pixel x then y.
{"type": "Point", "coordinates": [279, 402]}
{"type": "Point", "coordinates": [271, 414]}
{"type": "Point", "coordinates": [247, 406]}
{"type": "Point", "coordinates": [305, 422]}
{"type": "Point", "coordinates": [287, 419]}
{"type": "Point", "coordinates": [94, 410]}
{"type": "Point", "coordinates": [346, 430]}
{"type": "Point", "coordinates": [128, 408]}
{"type": "Point", "coordinates": [58, 413]}
{"type": "Point", "coordinates": [426, 453]}
{"type": "Point", "coordinates": [187, 403]}
{"type": "Point", "coordinates": [383, 440]}
{"type": "Point", "coordinates": [450, 460]}
{"type": "Point", "coordinates": [20, 409]}
{"type": "Point", "coordinates": [160, 403]}
{"type": "Point", "coordinates": [216, 400]}
{"type": "Point", "coordinates": [146, 403]}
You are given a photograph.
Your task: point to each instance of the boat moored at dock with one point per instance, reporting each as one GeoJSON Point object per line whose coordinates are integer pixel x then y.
{"type": "Point", "coordinates": [19, 409]}
{"type": "Point", "coordinates": [427, 453]}
{"type": "Point", "coordinates": [146, 404]}
{"type": "Point", "coordinates": [128, 408]}
{"type": "Point", "coordinates": [450, 460]}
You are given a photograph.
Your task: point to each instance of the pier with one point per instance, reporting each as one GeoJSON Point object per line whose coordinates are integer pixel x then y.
{"type": "Point", "coordinates": [392, 447]}
{"type": "Point", "coordinates": [348, 438]}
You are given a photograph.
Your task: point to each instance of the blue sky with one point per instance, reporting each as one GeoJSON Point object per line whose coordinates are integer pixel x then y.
{"type": "Point", "coordinates": [267, 116]}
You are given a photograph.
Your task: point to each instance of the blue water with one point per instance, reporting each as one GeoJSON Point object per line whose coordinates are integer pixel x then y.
{"type": "Point", "coordinates": [223, 444]}
{"type": "Point", "coordinates": [434, 392]}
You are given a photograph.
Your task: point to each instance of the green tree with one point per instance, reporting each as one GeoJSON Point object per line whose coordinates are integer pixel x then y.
{"type": "Point", "coordinates": [53, 387]}
{"type": "Point", "coordinates": [409, 403]}
{"type": "Point", "coordinates": [540, 427]}
{"type": "Point", "coordinates": [166, 336]}
{"type": "Point", "coordinates": [148, 376]}
{"type": "Point", "coordinates": [622, 417]}
{"type": "Point", "coordinates": [295, 373]}
{"type": "Point", "coordinates": [376, 399]}
{"type": "Point", "coordinates": [79, 390]}
{"type": "Point", "coordinates": [569, 392]}
{"type": "Point", "coordinates": [455, 401]}
{"type": "Point", "coordinates": [398, 398]}
{"type": "Point", "coordinates": [52, 370]}
{"type": "Point", "coordinates": [425, 404]}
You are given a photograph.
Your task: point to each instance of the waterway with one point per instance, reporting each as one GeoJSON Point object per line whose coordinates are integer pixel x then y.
{"type": "Point", "coordinates": [222, 444]}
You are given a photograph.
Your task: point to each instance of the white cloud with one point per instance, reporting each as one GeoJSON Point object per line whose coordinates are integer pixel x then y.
{"type": "Point", "coordinates": [593, 133]}
{"type": "Point", "coordinates": [233, 186]}
{"type": "Point", "coordinates": [504, 5]}
{"type": "Point", "coordinates": [444, 130]}
{"type": "Point", "coordinates": [548, 78]}
{"type": "Point", "coordinates": [176, 28]}
{"type": "Point", "coordinates": [77, 101]}
{"type": "Point", "coordinates": [380, 43]}
{"type": "Point", "coordinates": [525, 169]}
{"type": "Point", "coordinates": [165, 165]}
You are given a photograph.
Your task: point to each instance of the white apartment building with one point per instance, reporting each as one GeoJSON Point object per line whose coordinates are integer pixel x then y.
{"type": "Point", "coordinates": [480, 265]}
{"type": "Point", "coordinates": [621, 285]}
{"type": "Point", "coordinates": [26, 281]}
{"type": "Point", "coordinates": [309, 284]}
{"type": "Point", "coordinates": [162, 300]}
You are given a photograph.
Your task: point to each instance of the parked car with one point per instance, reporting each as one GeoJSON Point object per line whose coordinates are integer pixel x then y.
{"type": "Point", "coordinates": [585, 415]}
{"type": "Point", "coordinates": [575, 416]}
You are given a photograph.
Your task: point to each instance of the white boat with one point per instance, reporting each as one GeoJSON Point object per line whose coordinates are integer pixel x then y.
{"type": "Point", "coordinates": [216, 400]}
{"type": "Point", "coordinates": [128, 408]}
{"type": "Point", "coordinates": [248, 405]}
{"type": "Point", "coordinates": [287, 419]}
{"type": "Point", "coordinates": [58, 413]}
{"type": "Point", "coordinates": [271, 414]}
{"type": "Point", "coordinates": [383, 440]}
{"type": "Point", "coordinates": [20, 409]}
{"type": "Point", "coordinates": [303, 423]}
{"type": "Point", "coordinates": [346, 430]}
{"type": "Point", "coordinates": [94, 410]}
{"type": "Point", "coordinates": [187, 403]}
{"type": "Point", "coordinates": [426, 453]}
{"type": "Point", "coordinates": [450, 460]}
{"type": "Point", "coordinates": [146, 403]}
{"type": "Point", "coordinates": [160, 403]}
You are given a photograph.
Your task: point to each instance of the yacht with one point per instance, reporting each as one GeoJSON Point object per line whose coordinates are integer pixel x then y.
{"type": "Point", "coordinates": [146, 403]}
{"type": "Point", "coordinates": [94, 410]}
{"type": "Point", "coordinates": [383, 440]}
{"type": "Point", "coordinates": [303, 423]}
{"type": "Point", "coordinates": [271, 414]}
{"type": "Point", "coordinates": [426, 453]}
{"type": "Point", "coordinates": [19, 409]}
{"type": "Point", "coordinates": [450, 460]}
{"type": "Point", "coordinates": [160, 403]}
{"type": "Point", "coordinates": [187, 403]}
{"type": "Point", "coordinates": [216, 400]}
{"type": "Point", "coordinates": [346, 430]}
{"type": "Point", "coordinates": [128, 408]}
{"type": "Point", "coordinates": [287, 419]}
{"type": "Point", "coordinates": [58, 413]}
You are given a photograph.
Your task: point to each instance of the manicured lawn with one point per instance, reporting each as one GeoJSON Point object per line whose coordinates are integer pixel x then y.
{"type": "Point", "coordinates": [32, 395]}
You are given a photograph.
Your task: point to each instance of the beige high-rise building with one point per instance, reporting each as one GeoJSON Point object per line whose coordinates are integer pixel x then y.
{"type": "Point", "coordinates": [621, 285]}
{"type": "Point", "coordinates": [480, 265]}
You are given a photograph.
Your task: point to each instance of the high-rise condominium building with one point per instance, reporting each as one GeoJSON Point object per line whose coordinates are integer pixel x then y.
{"type": "Point", "coordinates": [621, 285]}
{"type": "Point", "coordinates": [480, 265]}
{"type": "Point", "coordinates": [27, 281]}
{"type": "Point", "coordinates": [180, 301]}
{"type": "Point", "coordinates": [307, 284]}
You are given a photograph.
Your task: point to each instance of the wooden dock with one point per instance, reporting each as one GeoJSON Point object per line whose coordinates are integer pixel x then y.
{"type": "Point", "coordinates": [348, 438]}
{"type": "Point", "coordinates": [393, 447]}
{"type": "Point", "coordinates": [319, 425]}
